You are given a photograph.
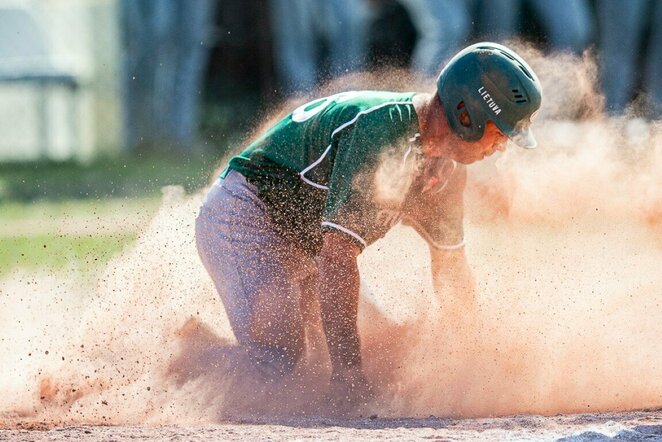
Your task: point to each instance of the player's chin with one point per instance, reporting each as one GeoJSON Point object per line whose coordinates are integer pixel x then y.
{"type": "Point", "coordinates": [470, 159]}
{"type": "Point", "coordinates": [487, 154]}
{"type": "Point", "coordinates": [467, 153]}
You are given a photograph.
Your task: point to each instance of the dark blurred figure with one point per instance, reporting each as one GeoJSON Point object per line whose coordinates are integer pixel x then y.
{"type": "Point", "coordinates": [498, 19]}
{"type": "Point", "coordinates": [391, 35]}
{"type": "Point", "coordinates": [166, 46]}
{"type": "Point", "coordinates": [568, 24]}
{"type": "Point", "coordinates": [621, 35]}
{"type": "Point", "coordinates": [653, 69]}
{"type": "Point", "coordinates": [443, 26]}
{"type": "Point", "coordinates": [623, 28]}
{"type": "Point", "coordinates": [301, 28]}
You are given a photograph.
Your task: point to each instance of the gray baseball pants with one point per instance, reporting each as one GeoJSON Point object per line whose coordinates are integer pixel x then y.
{"type": "Point", "coordinates": [267, 284]}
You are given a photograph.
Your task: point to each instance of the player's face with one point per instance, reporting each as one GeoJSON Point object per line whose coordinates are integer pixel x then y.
{"type": "Point", "coordinates": [493, 140]}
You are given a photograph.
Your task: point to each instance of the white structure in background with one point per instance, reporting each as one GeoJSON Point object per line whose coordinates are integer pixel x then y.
{"type": "Point", "coordinates": [59, 79]}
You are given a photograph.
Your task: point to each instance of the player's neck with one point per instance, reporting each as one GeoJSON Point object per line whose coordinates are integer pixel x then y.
{"type": "Point", "coordinates": [433, 125]}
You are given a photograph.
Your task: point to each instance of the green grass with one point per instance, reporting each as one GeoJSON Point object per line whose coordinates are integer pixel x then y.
{"type": "Point", "coordinates": [62, 216]}
{"type": "Point", "coordinates": [72, 234]}
{"type": "Point", "coordinates": [53, 253]}
{"type": "Point", "coordinates": [124, 176]}
{"type": "Point", "coordinates": [53, 212]}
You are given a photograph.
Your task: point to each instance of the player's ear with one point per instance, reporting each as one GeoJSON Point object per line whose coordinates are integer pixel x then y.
{"type": "Point", "coordinates": [465, 120]}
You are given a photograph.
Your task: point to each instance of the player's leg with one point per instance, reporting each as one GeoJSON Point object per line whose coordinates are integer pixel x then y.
{"type": "Point", "coordinates": [653, 64]}
{"type": "Point", "coordinates": [498, 19]}
{"type": "Point", "coordinates": [568, 23]}
{"type": "Point", "coordinates": [346, 24]}
{"type": "Point", "coordinates": [256, 272]}
{"type": "Point", "coordinates": [294, 35]}
{"type": "Point", "coordinates": [443, 26]}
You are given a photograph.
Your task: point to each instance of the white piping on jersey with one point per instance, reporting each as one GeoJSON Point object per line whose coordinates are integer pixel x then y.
{"type": "Point", "coordinates": [409, 150]}
{"type": "Point", "coordinates": [426, 236]}
{"type": "Point", "coordinates": [336, 130]}
{"type": "Point", "coordinates": [319, 160]}
{"type": "Point", "coordinates": [390, 112]}
{"type": "Point", "coordinates": [345, 230]}
{"type": "Point", "coordinates": [441, 189]}
{"type": "Point", "coordinates": [404, 159]}
{"type": "Point", "coordinates": [453, 247]}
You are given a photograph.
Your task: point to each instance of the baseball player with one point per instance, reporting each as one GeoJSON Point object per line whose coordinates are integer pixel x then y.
{"type": "Point", "coordinates": [283, 226]}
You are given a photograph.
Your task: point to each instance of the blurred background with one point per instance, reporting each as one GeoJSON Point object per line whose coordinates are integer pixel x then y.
{"type": "Point", "coordinates": [103, 102]}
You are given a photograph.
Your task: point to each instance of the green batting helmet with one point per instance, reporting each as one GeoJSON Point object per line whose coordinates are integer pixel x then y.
{"type": "Point", "coordinates": [494, 83]}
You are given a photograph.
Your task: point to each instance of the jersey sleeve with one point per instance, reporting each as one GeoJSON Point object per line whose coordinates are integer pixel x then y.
{"type": "Point", "coordinates": [437, 214]}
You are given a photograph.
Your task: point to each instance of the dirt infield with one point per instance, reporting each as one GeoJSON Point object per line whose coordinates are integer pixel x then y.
{"type": "Point", "coordinates": [632, 426]}
{"type": "Point", "coordinates": [565, 244]}
{"type": "Point", "coordinates": [567, 321]}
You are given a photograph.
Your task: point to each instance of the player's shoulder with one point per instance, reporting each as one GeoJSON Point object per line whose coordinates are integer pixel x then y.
{"type": "Point", "coordinates": [370, 99]}
{"type": "Point", "coordinates": [382, 110]}
{"type": "Point", "coordinates": [350, 104]}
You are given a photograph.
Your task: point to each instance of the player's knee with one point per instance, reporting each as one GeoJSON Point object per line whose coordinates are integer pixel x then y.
{"type": "Point", "coordinates": [275, 362]}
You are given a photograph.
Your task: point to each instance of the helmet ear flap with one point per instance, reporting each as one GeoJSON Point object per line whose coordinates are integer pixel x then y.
{"type": "Point", "coordinates": [463, 115]}
{"type": "Point", "coordinates": [469, 126]}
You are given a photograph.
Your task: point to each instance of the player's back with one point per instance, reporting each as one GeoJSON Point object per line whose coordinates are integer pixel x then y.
{"type": "Point", "coordinates": [303, 137]}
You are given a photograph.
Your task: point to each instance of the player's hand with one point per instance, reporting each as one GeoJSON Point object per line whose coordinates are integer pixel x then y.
{"type": "Point", "coordinates": [349, 390]}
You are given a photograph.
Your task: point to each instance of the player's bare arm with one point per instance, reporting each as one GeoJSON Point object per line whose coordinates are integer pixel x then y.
{"type": "Point", "coordinates": [451, 275]}
{"type": "Point", "coordinates": [339, 294]}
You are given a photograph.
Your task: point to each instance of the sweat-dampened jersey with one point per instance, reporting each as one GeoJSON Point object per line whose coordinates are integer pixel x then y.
{"type": "Point", "coordinates": [349, 162]}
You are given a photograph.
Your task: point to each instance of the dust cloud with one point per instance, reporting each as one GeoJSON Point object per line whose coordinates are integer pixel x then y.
{"type": "Point", "coordinates": [564, 242]}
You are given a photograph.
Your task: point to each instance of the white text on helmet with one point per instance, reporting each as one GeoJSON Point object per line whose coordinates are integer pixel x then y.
{"type": "Point", "coordinates": [488, 99]}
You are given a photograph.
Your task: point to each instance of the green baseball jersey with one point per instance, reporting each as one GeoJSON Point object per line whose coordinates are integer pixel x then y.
{"type": "Point", "coordinates": [349, 163]}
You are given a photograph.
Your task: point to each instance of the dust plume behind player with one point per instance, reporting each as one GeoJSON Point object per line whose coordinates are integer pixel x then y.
{"type": "Point", "coordinates": [565, 243]}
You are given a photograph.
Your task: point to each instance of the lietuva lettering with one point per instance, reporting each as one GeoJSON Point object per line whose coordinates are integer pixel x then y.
{"type": "Point", "coordinates": [490, 103]}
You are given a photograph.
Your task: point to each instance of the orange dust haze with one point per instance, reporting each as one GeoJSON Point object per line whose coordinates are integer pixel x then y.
{"type": "Point", "coordinates": [564, 243]}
